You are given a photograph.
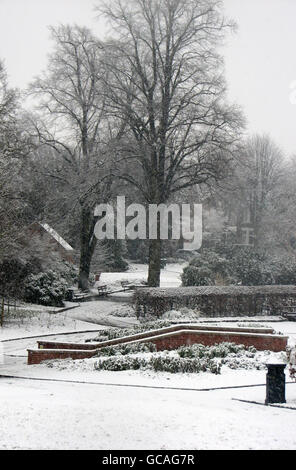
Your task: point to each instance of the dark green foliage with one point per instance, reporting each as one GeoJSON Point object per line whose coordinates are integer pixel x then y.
{"type": "Point", "coordinates": [184, 365]}
{"type": "Point", "coordinates": [286, 271]}
{"type": "Point", "coordinates": [193, 359]}
{"type": "Point", "coordinates": [159, 363]}
{"type": "Point", "coordinates": [117, 250]}
{"type": "Point", "coordinates": [218, 350]}
{"type": "Point", "coordinates": [120, 332]}
{"type": "Point", "coordinates": [206, 269]}
{"type": "Point", "coordinates": [13, 272]}
{"type": "Point", "coordinates": [245, 266]}
{"type": "Point", "coordinates": [124, 349]}
{"type": "Point", "coordinates": [138, 250]}
{"type": "Point", "coordinates": [49, 288]}
{"type": "Point", "coordinates": [120, 363]}
{"type": "Point", "coordinates": [252, 267]}
{"type": "Point", "coordinates": [45, 289]}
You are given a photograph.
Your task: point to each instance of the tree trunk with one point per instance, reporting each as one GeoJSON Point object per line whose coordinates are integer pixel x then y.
{"type": "Point", "coordinates": [154, 263]}
{"type": "Point", "coordinates": [87, 245]}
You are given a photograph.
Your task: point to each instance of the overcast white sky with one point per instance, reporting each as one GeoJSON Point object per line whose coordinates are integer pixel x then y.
{"type": "Point", "coordinates": [260, 59]}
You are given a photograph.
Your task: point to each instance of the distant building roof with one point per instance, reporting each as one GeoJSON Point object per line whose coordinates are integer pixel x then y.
{"type": "Point", "coordinates": [56, 236]}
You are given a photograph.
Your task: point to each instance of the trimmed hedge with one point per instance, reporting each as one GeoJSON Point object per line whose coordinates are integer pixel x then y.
{"type": "Point", "coordinates": [215, 301]}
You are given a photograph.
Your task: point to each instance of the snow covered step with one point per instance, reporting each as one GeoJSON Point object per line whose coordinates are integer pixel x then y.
{"type": "Point", "coordinates": [125, 339]}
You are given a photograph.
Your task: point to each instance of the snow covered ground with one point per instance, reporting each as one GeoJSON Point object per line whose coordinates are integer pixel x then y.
{"type": "Point", "coordinates": [169, 276]}
{"type": "Point", "coordinates": [57, 415]}
{"type": "Point", "coordinates": [79, 408]}
{"type": "Point", "coordinates": [72, 407]}
{"type": "Point", "coordinates": [41, 321]}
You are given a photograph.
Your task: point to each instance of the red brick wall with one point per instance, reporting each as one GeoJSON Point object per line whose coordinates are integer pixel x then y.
{"type": "Point", "coordinates": [173, 328]}
{"type": "Point", "coordinates": [163, 341]}
{"type": "Point", "coordinates": [35, 356]}
{"type": "Point", "coordinates": [260, 342]}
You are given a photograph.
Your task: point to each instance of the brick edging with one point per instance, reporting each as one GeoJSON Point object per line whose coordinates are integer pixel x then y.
{"type": "Point", "coordinates": [172, 340]}
{"type": "Point", "coordinates": [151, 333]}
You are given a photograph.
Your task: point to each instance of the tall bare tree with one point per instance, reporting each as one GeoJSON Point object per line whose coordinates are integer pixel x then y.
{"type": "Point", "coordinates": [72, 123]}
{"type": "Point", "coordinates": [165, 79]}
{"type": "Point", "coordinates": [15, 145]}
{"type": "Point", "coordinates": [257, 178]}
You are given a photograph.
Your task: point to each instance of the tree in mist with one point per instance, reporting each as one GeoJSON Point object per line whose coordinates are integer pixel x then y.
{"type": "Point", "coordinates": [259, 177]}
{"type": "Point", "coordinates": [15, 146]}
{"type": "Point", "coordinates": [72, 124]}
{"type": "Point", "coordinates": [165, 80]}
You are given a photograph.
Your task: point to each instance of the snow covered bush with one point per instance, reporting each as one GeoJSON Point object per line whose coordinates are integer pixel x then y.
{"type": "Point", "coordinates": [207, 269]}
{"type": "Point", "coordinates": [115, 363]}
{"type": "Point", "coordinates": [179, 315]}
{"type": "Point", "coordinates": [252, 267]}
{"type": "Point", "coordinates": [13, 272]}
{"type": "Point", "coordinates": [285, 270]}
{"type": "Point", "coordinates": [159, 363]}
{"type": "Point", "coordinates": [50, 287]}
{"type": "Point", "coordinates": [186, 359]}
{"type": "Point", "coordinates": [175, 365]}
{"type": "Point", "coordinates": [218, 350]}
{"type": "Point", "coordinates": [247, 266]}
{"type": "Point", "coordinates": [128, 348]}
{"type": "Point", "coordinates": [47, 288]}
{"type": "Point", "coordinates": [121, 332]}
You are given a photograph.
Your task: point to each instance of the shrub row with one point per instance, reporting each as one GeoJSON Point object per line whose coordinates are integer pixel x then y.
{"type": "Point", "coordinates": [159, 363]}
{"type": "Point", "coordinates": [218, 350]}
{"type": "Point", "coordinates": [124, 349]}
{"type": "Point", "coordinates": [192, 359]}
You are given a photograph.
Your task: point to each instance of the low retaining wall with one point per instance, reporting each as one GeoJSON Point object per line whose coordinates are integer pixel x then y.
{"type": "Point", "coordinates": [213, 301]}
{"type": "Point", "coordinates": [125, 339]}
{"type": "Point", "coordinates": [176, 339]}
{"type": "Point", "coordinates": [35, 356]}
{"type": "Point", "coordinates": [165, 340]}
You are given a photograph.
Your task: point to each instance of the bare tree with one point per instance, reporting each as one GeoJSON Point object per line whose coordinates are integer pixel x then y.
{"type": "Point", "coordinates": [259, 176]}
{"type": "Point", "coordinates": [165, 79]}
{"type": "Point", "coordinates": [15, 145]}
{"type": "Point", "coordinates": [72, 123]}
{"type": "Point", "coordinates": [279, 222]}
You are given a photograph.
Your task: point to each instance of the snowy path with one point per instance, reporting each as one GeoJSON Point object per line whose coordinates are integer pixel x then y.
{"type": "Point", "coordinates": [99, 312]}
{"type": "Point", "coordinates": [137, 410]}
{"type": "Point", "coordinates": [18, 347]}
{"type": "Point", "coordinates": [49, 415]}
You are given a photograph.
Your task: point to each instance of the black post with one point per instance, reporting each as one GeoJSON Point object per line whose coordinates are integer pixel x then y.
{"type": "Point", "coordinates": [275, 383]}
